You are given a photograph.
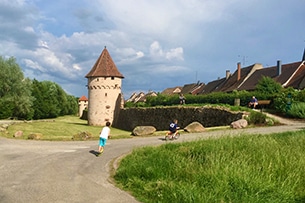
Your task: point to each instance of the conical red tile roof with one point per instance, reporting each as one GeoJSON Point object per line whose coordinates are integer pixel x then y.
{"type": "Point", "coordinates": [83, 98]}
{"type": "Point", "coordinates": [104, 67]}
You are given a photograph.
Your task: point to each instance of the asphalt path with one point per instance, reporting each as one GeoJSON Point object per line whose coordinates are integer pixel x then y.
{"type": "Point", "coordinates": [46, 171]}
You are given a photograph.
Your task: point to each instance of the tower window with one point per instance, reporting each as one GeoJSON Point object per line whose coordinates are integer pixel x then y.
{"type": "Point", "coordinates": [112, 78]}
{"type": "Point", "coordinates": [106, 94]}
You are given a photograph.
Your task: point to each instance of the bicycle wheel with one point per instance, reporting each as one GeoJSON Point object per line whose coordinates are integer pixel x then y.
{"type": "Point", "coordinates": [177, 136]}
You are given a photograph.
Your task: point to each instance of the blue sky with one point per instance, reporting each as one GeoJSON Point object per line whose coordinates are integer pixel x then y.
{"type": "Point", "coordinates": [155, 44]}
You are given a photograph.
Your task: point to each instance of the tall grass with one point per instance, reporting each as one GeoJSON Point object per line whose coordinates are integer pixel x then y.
{"type": "Point", "coordinates": [241, 169]}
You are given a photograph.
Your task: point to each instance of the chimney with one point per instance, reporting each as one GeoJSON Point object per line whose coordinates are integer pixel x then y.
{"type": "Point", "coordinates": [238, 71]}
{"type": "Point", "coordinates": [279, 67]}
{"type": "Point", "coordinates": [227, 74]}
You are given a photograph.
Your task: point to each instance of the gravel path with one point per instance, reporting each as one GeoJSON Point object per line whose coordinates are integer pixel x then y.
{"type": "Point", "coordinates": [44, 171]}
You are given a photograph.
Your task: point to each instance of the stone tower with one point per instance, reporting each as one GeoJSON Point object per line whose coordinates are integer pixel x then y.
{"type": "Point", "coordinates": [82, 105]}
{"type": "Point", "coordinates": [104, 90]}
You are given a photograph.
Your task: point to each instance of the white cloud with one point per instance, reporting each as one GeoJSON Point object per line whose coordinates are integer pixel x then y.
{"type": "Point", "coordinates": [140, 54]}
{"type": "Point", "coordinates": [76, 67]}
{"type": "Point", "coordinates": [33, 65]}
{"type": "Point", "coordinates": [156, 51]}
{"type": "Point", "coordinates": [176, 53]}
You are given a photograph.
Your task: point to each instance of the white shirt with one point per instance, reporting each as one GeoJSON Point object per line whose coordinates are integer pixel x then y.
{"type": "Point", "coordinates": [105, 132]}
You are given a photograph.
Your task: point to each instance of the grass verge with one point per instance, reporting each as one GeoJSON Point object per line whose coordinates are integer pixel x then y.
{"type": "Point", "coordinates": [262, 168]}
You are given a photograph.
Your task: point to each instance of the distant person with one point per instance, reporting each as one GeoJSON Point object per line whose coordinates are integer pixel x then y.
{"type": "Point", "coordinates": [173, 126]}
{"type": "Point", "coordinates": [181, 99]}
{"type": "Point", "coordinates": [104, 135]}
{"type": "Point", "coordinates": [253, 102]}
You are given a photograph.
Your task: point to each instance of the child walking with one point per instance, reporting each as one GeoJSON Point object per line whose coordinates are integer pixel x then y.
{"type": "Point", "coordinates": [105, 133]}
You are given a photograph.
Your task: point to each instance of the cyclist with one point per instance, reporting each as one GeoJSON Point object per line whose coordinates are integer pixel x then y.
{"type": "Point", "coordinates": [173, 127]}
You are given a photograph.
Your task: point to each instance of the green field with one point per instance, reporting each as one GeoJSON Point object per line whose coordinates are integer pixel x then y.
{"type": "Point", "coordinates": [262, 168]}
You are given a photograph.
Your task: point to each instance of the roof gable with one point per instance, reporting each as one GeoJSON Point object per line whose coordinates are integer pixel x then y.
{"type": "Point", "coordinates": [186, 89]}
{"type": "Point", "coordinates": [237, 79]}
{"type": "Point", "coordinates": [104, 67]}
{"type": "Point", "coordinates": [213, 86]}
{"type": "Point", "coordinates": [288, 70]}
{"type": "Point", "coordinates": [172, 90]}
{"type": "Point", "coordinates": [297, 81]}
{"type": "Point", "coordinates": [252, 81]}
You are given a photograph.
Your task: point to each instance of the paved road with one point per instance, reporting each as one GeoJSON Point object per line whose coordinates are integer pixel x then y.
{"type": "Point", "coordinates": [43, 171]}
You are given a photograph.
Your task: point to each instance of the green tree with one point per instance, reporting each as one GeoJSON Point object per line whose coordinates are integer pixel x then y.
{"type": "Point", "coordinates": [51, 100]}
{"type": "Point", "coordinates": [72, 108]}
{"type": "Point", "coordinates": [15, 91]}
{"type": "Point", "coordinates": [46, 103]}
{"type": "Point", "coordinates": [268, 86]}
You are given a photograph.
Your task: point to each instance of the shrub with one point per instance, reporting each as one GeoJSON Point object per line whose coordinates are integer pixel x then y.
{"type": "Point", "coordinates": [257, 118]}
{"type": "Point", "coordinates": [297, 110]}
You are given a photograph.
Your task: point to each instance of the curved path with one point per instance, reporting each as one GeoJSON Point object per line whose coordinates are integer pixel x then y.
{"type": "Point", "coordinates": [43, 171]}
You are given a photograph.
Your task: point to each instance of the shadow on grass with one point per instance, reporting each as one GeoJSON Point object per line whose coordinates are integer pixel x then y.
{"type": "Point", "coordinates": [82, 124]}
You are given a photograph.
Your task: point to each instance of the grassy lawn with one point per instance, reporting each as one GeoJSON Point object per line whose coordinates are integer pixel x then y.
{"type": "Point", "coordinates": [62, 128]}
{"type": "Point", "coordinates": [262, 168]}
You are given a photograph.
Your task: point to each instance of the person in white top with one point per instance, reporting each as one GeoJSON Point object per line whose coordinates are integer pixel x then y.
{"type": "Point", "coordinates": [105, 133]}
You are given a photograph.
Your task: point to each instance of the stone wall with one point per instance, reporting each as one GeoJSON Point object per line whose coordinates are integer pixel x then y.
{"type": "Point", "coordinates": [160, 117]}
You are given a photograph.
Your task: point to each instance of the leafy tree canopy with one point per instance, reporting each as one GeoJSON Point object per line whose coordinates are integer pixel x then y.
{"type": "Point", "coordinates": [267, 85]}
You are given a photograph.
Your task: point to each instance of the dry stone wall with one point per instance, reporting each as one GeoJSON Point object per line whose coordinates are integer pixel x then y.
{"type": "Point", "coordinates": [160, 117]}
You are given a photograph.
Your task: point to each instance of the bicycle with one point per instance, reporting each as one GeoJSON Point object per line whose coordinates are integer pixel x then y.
{"type": "Point", "coordinates": [172, 136]}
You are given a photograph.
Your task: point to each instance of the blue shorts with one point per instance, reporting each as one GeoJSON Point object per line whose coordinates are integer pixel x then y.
{"type": "Point", "coordinates": [103, 142]}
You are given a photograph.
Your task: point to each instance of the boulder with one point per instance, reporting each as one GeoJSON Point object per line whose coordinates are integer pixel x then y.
{"type": "Point", "coordinates": [241, 123]}
{"type": "Point", "coordinates": [18, 133]}
{"type": "Point", "coordinates": [194, 127]}
{"type": "Point", "coordinates": [143, 130]}
{"type": "Point", "coordinates": [35, 136]}
{"type": "Point", "coordinates": [4, 126]}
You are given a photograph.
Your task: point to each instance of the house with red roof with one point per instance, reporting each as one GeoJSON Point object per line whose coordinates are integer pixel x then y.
{"type": "Point", "coordinates": [82, 105]}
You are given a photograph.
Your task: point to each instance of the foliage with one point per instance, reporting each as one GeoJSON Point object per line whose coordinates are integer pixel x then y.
{"type": "Point", "coordinates": [22, 98]}
{"type": "Point", "coordinates": [283, 100]}
{"type": "Point", "coordinates": [211, 98]}
{"type": "Point", "coordinates": [268, 86]}
{"type": "Point", "coordinates": [259, 168]}
{"type": "Point", "coordinates": [15, 91]}
{"type": "Point", "coordinates": [51, 101]}
{"type": "Point", "coordinates": [257, 118]}
{"type": "Point", "coordinates": [297, 110]}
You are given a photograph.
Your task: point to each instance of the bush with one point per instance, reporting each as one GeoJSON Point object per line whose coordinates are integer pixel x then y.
{"type": "Point", "coordinates": [257, 118]}
{"type": "Point", "coordinates": [297, 110]}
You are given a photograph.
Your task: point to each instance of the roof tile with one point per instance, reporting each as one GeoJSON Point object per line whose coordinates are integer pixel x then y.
{"type": "Point", "coordinates": [104, 67]}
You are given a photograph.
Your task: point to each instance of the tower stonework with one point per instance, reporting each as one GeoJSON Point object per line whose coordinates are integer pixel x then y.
{"type": "Point", "coordinates": [104, 90]}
